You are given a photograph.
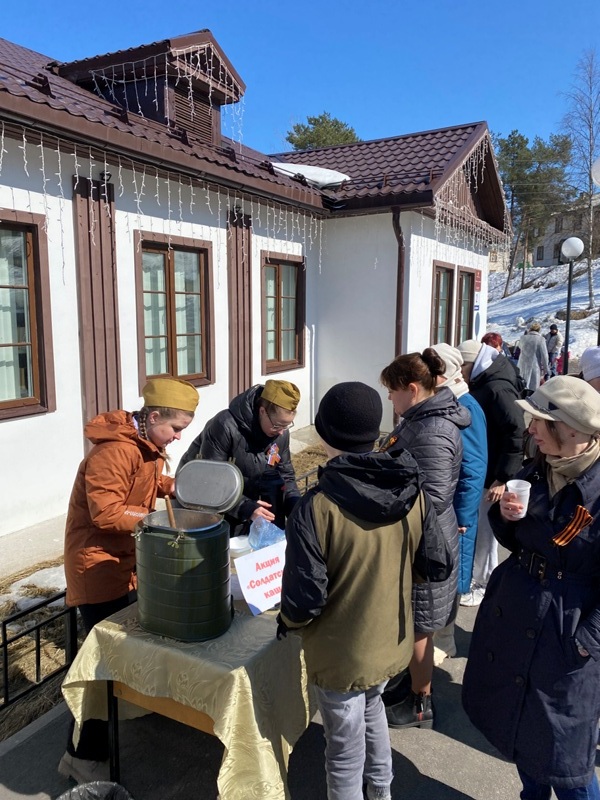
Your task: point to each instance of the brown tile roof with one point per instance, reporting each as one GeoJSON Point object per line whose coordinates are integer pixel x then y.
{"type": "Point", "coordinates": [32, 92]}
{"type": "Point", "coordinates": [412, 164]}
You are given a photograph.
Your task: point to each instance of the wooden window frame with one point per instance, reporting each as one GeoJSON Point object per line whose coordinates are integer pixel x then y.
{"type": "Point", "coordinates": [539, 253]}
{"type": "Point", "coordinates": [461, 272]}
{"type": "Point", "coordinates": [270, 259]}
{"type": "Point", "coordinates": [38, 266]}
{"type": "Point", "coordinates": [439, 267]}
{"type": "Point", "coordinates": [164, 242]}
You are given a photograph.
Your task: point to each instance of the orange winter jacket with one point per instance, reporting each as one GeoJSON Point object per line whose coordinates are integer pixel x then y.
{"type": "Point", "coordinates": [116, 486]}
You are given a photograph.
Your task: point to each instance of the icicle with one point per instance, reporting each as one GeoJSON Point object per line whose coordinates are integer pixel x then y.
{"type": "Point", "coordinates": [92, 214]}
{"type": "Point", "coordinates": [191, 198]}
{"type": "Point", "coordinates": [23, 147]}
{"type": "Point", "coordinates": [157, 189]}
{"type": "Point", "coordinates": [2, 148]}
{"type": "Point", "coordinates": [121, 187]}
{"type": "Point", "coordinates": [44, 182]}
{"type": "Point", "coordinates": [76, 166]}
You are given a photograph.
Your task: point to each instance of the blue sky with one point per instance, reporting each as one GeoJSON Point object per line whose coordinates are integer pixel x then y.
{"type": "Point", "coordinates": [386, 68]}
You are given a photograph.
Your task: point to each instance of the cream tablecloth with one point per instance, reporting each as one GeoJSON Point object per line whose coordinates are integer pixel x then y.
{"type": "Point", "coordinates": [253, 687]}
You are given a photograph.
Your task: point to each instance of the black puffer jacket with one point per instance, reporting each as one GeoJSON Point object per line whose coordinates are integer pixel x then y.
{"type": "Point", "coordinates": [496, 390]}
{"type": "Point", "coordinates": [430, 431]}
{"type": "Point", "coordinates": [235, 434]}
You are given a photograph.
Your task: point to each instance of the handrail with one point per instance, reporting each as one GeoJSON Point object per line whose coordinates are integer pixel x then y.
{"type": "Point", "coordinates": [35, 628]}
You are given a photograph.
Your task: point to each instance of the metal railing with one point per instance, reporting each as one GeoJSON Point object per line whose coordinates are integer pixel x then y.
{"type": "Point", "coordinates": [307, 480]}
{"type": "Point", "coordinates": [33, 630]}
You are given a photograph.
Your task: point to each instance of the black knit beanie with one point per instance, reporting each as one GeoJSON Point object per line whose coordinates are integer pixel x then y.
{"type": "Point", "coordinates": [349, 417]}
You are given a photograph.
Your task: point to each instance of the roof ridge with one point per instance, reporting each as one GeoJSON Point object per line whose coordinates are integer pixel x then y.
{"type": "Point", "coordinates": [383, 138]}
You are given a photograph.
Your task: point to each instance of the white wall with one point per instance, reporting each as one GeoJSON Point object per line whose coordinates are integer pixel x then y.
{"type": "Point", "coordinates": [355, 296]}
{"type": "Point", "coordinates": [40, 453]}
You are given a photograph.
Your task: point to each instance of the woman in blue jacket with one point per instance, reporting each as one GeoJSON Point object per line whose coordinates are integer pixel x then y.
{"type": "Point", "coordinates": [532, 682]}
{"type": "Point", "coordinates": [469, 488]}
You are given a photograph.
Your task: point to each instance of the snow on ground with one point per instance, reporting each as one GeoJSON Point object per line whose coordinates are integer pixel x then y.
{"type": "Point", "coordinates": [51, 579]}
{"type": "Point", "coordinates": [510, 316]}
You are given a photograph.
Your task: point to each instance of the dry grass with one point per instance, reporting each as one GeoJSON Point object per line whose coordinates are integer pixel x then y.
{"type": "Point", "coordinates": [308, 459]}
{"type": "Point", "coordinates": [22, 657]}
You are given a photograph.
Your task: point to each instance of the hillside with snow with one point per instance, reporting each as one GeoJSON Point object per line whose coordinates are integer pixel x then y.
{"type": "Point", "coordinates": [542, 301]}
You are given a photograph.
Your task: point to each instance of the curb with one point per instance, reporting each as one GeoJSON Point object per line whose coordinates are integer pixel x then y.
{"type": "Point", "coordinates": [18, 738]}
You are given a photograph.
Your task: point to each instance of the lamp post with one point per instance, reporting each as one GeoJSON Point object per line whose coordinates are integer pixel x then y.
{"type": "Point", "coordinates": [596, 180]}
{"type": "Point", "coordinates": [570, 249]}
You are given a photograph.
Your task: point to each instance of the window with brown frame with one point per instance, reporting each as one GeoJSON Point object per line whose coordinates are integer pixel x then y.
{"type": "Point", "coordinates": [556, 251]}
{"type": "Point", "coordinates": [26, 357]}
{"type": "Point", "coordinates": [175, 300]}
{"type": "Point", "coordinates": [539, 253]}
{"type": "Point", "coordinates": [465, 305]}
{"type": "Point", "coordinates": [283, 312]}
{"type": "Point", "coordinates": [442, 305]}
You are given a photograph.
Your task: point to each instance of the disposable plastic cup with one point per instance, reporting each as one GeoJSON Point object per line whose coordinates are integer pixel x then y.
{"type": "Point", "coordinates": [521, 489]}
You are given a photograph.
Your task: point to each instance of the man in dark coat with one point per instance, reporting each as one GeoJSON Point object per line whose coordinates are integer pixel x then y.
{"type": "Point", "coordinates": [254, 433]}
{"type": "Point", "coordinates": [493, 382]}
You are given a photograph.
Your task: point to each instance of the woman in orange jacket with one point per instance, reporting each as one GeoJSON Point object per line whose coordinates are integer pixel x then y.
{"type": "Point", "coordinates": [116, 486]}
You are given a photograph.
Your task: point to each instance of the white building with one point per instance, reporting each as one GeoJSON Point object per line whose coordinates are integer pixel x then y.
{"type": "Point", "coordinates": [136, 240]}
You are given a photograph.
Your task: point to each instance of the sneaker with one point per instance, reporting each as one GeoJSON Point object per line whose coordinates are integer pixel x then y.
{"type": "Point", "coordinates": [82, 770]}
{"type": "Point", "coordinates": [378, 792]}
{"type": "Point", "coordinates": [474, 597]}
{"type": "Point", "coordinates": [414, 712]}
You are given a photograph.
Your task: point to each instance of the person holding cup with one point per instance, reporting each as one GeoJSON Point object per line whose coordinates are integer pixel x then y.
{"type": "Point", "coordinates": [532, 682]}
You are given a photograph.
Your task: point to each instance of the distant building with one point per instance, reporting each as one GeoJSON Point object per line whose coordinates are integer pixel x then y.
{"type": "Point", "coordinates": [573, 222]}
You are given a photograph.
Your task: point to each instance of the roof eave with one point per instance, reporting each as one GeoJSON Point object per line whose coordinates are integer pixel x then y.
{"type": "Point", "coordinates": [60, 123]}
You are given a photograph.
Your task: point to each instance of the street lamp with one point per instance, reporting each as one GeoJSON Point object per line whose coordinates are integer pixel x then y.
{"type": "Point", "coordinates": [596, 179]}
{"type": "Point", "coordinates": [570, 249]}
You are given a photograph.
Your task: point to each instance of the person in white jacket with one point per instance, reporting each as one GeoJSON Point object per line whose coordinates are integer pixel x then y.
{"type": "Point", "coordinates": [533, 360]}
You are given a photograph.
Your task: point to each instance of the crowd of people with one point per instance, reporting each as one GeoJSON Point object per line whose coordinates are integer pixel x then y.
{"type": "Point", "coordinates": [398, 531]}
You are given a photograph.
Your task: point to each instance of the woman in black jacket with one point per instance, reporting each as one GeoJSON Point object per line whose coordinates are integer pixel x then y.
{"type": "Point", "coordinates": [254, 433]}
{"type": "Point", "coordinates": [430, 425]}
{"type": "Point", "coordinates": [532, 682]}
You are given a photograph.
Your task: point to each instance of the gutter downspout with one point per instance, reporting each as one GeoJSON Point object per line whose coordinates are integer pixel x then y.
{"type": "Point", "coordinates": [398, 339]}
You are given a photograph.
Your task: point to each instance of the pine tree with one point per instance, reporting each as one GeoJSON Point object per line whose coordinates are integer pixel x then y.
{"type": "Point", "coordinates": [536, 185]}
{"type": "Point", "coordinates": [320, 131]}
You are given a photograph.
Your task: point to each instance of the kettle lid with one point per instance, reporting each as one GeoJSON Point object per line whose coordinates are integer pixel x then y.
{"type": "Point", "coordinates": [207, 485]}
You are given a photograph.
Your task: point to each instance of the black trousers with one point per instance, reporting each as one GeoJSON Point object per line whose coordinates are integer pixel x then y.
{"type": "Point", "coordinates": [93, 739]}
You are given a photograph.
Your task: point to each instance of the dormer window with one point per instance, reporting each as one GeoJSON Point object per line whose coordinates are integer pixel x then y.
{"type": "Point", "coordinates": [181, 83]}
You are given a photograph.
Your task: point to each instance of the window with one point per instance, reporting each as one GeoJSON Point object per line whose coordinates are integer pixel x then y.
{"type": "Point", "coordinates": [539, 253]}
{"type": "Point", "coordinates": [442, 302]}
{"type": "Point", "coordinates": [578, 221]}
{"type": "Point", "coordinates": [26, 368]}
{"type": "Point", "coordinates": [558, 224]}
{"type": "Point", "coordinates": [466, 300]}
{"type": "Point", "coordinates": [174, 308]}
{"type": "Point", "coordinates": [283, 312]}
{"type": "Point", "coordinates": [556, 251]}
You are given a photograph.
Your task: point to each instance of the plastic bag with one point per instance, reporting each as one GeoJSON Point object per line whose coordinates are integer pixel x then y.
{"type": "Point", "coordinates": [263, 533]}
{"type": "Point", "coordinates": [97, 790]}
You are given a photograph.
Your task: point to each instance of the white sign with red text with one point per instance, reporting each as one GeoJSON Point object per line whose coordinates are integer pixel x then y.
{"type": "Point", "coordinates": [260, 575]}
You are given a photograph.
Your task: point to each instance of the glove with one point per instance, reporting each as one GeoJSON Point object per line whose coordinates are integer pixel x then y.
{"type": "Point", "coordinates": [282, 628]}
